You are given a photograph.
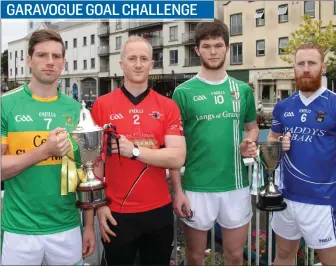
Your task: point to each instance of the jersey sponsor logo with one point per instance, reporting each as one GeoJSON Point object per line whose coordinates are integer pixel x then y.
{"type": "Point", "coordinates": [155, 115]}
{"type": "Point", "coordinates": [230, 115]}
{"type": "Point", "coordinates": [305, 134]}
{"type": "Point", "coordinates": [288, 114]}
{"type": "Point", "coordinates": [116, 116]}
{"type": "Point", "coordinates": [217, 92]}
{"type": "Point", "coordinates": [199, 98]}
{"type": "Point", "coordinates": [325, 240]}
{"type": "Point", "coordinates": [136, 111]}
{"type": "Point", "coordinates": [22, 142]}
{"type": "Point", "coordinates": [23, 118]}
{"type": "Point", "coordinates": [306, 111]}
{"type": "Point", "coordinates": [47, 114]}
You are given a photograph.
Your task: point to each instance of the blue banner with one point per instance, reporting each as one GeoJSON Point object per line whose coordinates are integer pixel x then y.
{"type": "Point", "coordinates": [154, 10]}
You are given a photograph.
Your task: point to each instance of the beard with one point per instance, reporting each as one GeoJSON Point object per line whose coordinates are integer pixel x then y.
{"type": "Point", "coordinates": [213, 67]}
{"type": "Point", "coordinates": [308, 83]}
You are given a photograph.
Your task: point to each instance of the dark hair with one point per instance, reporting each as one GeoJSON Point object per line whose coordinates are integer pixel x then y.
{"type": "Point", "coordinates": [42, 36]}
{"type": "Point", "coordinates": [208, 30]}
{"type": "Point", "coordinates": [314, 46]}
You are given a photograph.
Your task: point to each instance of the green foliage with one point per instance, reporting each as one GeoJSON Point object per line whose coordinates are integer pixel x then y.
{"type": "Point", "coordinates": [309, 31]}
{"type": "Point", "coordinates": [4, 63]}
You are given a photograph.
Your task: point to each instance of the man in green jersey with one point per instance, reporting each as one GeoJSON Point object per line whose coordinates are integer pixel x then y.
{"type": "Point", "coordinates": [215, 110]}
{"type": "Point", "coordinates": [39, 225]}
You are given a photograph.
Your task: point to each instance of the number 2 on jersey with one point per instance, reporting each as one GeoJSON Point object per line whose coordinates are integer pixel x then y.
{"type": "Point", "coordinates": [48, 122]}
{"type": "Point", "coordinates": [136, 119]}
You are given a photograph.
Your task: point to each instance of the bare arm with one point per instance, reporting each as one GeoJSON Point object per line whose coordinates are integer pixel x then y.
{"type": "Point", "coordinates": [175, 176]}
{"type": "Point", "coordinates": [88, 218]}
{"type": "Point", "coordinates": [251, 131]}
{"type": "Point", "coordinates": [12, 165]}
{"type": "Point", "coordinates": [173, 156]}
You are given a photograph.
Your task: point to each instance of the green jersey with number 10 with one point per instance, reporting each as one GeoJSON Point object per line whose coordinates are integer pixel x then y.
{"type": "Point", "coordinates": [33, 203]}
{"type": "Point", "coordinates": [213, 117]}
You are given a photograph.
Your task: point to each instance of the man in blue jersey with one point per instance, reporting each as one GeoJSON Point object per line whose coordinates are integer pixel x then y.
{"type": "Point", "coordinates": [309, 166]}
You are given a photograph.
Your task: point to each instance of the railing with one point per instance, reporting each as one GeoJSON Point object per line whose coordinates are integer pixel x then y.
{"type": "Point", "coordinates": [251, 257]}
{"type": "Point", "coordinates": [104, 30]}
{"type": "Point", "coordinates": [103, 50]}
{"type": "Point", "coordinates": [156, 41]}
{"type": "Point", "coordinates": [138, 24]}
{"type": "Point", "coordinates": [193, 61]}
{"type": "Point", "coordinates": [158, 64]}
{"type": "Point", "coordinates": [188, 37]}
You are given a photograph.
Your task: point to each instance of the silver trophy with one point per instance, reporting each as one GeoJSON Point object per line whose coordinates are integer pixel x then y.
{"type": "Point", "coordinates": [89, 138]}
{"type": "Point", "coordinates": [270, 198]}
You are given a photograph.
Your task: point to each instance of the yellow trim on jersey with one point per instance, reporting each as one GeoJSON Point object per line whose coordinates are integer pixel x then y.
{"type": "Point", "coordinates": [4, 140]}
{"type": "Point", "coordinates": [41, 99]}
{"type": "Point", "coordinates": [21, 142]}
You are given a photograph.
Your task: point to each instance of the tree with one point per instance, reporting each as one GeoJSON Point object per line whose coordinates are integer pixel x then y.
{"type": "Point", "coordinates": [4, 63]}
{"type": "Point", "coordinates": [309, 31]}
{"type": "Point", "coordinates": [331, 71]}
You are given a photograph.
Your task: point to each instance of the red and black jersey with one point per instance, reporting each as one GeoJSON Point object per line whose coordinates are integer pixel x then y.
{"type": "Point", "coordinates": [145, 120]}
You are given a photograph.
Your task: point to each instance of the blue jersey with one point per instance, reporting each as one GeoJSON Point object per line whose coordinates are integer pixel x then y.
{"type": "Point", "coordinates": [309, 167]}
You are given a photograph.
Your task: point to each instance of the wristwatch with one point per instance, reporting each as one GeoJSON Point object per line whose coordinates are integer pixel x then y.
{"type": "Point", "coordinates": [136, 152]}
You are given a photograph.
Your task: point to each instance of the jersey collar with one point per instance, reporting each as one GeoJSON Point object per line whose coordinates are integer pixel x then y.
{"type": "Point", "coordinates": [135, 99]}
{"type": "Point", "coordinates": [306, 101]}
{"type": "Point", "coordinates": [41, 99]}
{"type": "Point", "coordinates": [213, 82]}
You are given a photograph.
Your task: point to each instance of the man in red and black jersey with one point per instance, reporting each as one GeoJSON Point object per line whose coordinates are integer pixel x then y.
{"type": "Point", "coordinates": [140, 216]}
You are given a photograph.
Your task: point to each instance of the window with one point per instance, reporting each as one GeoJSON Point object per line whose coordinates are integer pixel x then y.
{"type": "Point", "coordinates": [21, 70]}
{"type": "Point", "coordinates": [66, 66]}
{"type": "Point", "coordinates": [92, 39]}
{"type": "Point", "coordinates": [93, 63]}
{"type": "Point", "coordinates": [283, 42]}
{"type": "Point", "coordinates": [10, 72]}
{"type": "Point", "coordinates": [260, 47]}
{"type": "Point", "coordinates": [84, 64]}
{"type": "Point", "coordinates": [21, 54]}
{"type": "Point", "coordinates": [236, 24]}
{"type": "Point", "coordinates": [30, 71]}
{"type": "Point", "coordinates": [74, 43]}
{"type": "Point", "coordinates": [66, 45]}
{"type": "Point", "coordinates": [84, 41]}
{"type": "Point", "coordinates": [118, 25]}
{"type": "Point", "coordinates": [16, 71]}
{"type": "Point", "coordinates": [10, 55]}
{"type": "Point", "coordinates": [173, 57]}
{"type": "Point", "coordinates": [15, 54]}
{"type": "Point", "coordinates": [334, 7]}
{"type": "Point", "coordinates": [283, 13]}
{"type": "Point", "coordinates": [67, 82]}
{"type": "Point", "coordinates": [118, 43]}
{"type": "Point", "coordinates": [236, 57]}
{"type": "Point", "coordinates": [173, 33]}
{"type": "Point", "coordinates": [75, 64]}
{"type": "Point", "coordinates": [31, 24]}
{"type": "Point", "coordinates": [309, 8]}
{"type": "Point", "coordinates": [260, 17]}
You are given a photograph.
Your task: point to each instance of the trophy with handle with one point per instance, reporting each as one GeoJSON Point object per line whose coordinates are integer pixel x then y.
{"type": "Point", "coordinates": [89, 139]}
{"type": "Point", "coordinates": [270, 198]}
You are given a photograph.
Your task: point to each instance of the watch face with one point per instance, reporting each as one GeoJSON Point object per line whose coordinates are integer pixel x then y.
{"type": "Point", "coordinates": [136, 152]}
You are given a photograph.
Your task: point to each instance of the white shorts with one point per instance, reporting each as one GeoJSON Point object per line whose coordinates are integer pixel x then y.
{"type": "Point", "coordinates": [230, 209]}
{"type": "Point", "coordinates": [315, 223]}
{"type": "Point", "coordinates": [63, 248]}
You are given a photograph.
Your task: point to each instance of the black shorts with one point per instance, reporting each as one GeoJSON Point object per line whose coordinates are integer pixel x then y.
{"type": "Point", "coordinates": [150, 233]}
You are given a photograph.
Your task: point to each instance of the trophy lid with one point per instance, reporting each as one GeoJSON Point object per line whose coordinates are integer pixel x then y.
{"type": "Point", "coordinates": [86, 123]}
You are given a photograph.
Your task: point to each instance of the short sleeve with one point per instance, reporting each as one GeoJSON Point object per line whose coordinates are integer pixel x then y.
{"type": "Point", "coordinates": [4, 126]}
{"type": "Point", "coordinates": [95, 113]}
{"type": "Point", "coordinates": [179, 100]}
{"type": "Point", "coordinates": [251, 114]}
{"type": "Point", "coordinates": [277, 126]}
{"type": "Point", "coordinates": [174, 124]}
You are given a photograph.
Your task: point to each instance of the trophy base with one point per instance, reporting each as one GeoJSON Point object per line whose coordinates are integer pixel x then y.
{"type": "Point", "coordinates": [271, 204]}
{"type": "Point", "coordinates": [91, 197]}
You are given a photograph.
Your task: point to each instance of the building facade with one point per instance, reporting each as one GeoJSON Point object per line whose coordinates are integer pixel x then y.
{"type": "Point", "coordinates": [259, 30]}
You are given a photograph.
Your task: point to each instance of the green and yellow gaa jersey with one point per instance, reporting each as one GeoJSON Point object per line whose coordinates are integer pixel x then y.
{"type": "Point", "coordinates": [213, 118]}
{"type": "Point", "coordinates": [33, 203]}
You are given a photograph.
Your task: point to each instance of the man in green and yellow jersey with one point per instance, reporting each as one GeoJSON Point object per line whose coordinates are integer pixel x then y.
{"type": "Point", "coordinates": [215, 110]}
{"type": "Point", "coordinates": [39, 224]}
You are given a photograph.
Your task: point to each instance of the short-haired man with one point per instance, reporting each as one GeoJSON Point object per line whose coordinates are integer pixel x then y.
{"type": "Point", "coordinates": [140, 216]}
{"type": "Point", "coordinates": [215, 110]}
{"type": "Point", "coordinates": [39, 225]}
{"type": "Point", "coordinates": [308, 118]}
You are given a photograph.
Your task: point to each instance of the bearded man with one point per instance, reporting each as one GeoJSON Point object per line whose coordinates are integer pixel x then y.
{"type": "Point", "coordinates": [308, 118]}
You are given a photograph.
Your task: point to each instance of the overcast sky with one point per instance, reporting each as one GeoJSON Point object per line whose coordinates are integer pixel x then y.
{"type": "Point", "coordinates": [12, 29]}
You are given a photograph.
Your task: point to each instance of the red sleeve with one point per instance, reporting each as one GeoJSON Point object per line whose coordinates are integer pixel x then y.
{"type": "Point", "coordinates": [95, 113]}
{"type": "Point", "coordinates": [174, 124]}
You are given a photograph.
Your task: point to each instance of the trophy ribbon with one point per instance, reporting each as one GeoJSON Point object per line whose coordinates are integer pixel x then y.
{"type": "Point", "coordinates": [70, 173]}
